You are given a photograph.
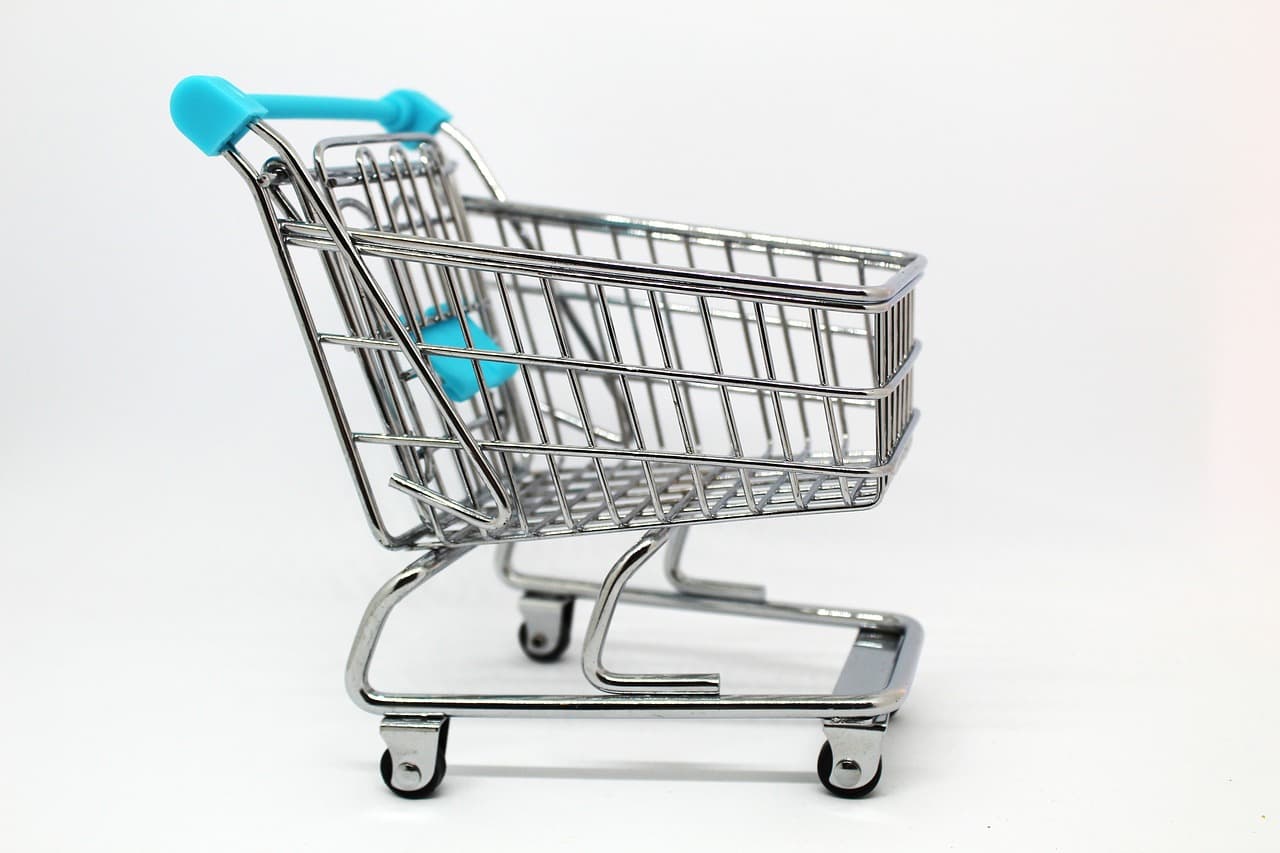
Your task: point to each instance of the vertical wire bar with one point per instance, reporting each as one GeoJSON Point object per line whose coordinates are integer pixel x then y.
{"type": "Point", "coordinates": [891, 342]}
{"type": "Point", "coordinates": [438, 183]}
{"type": "Point", "coordinates": [897, 362]}
{"type": "Point", "coordinates": [566, 348]}
{"type": "Point", "coordinates": [432, 293]}
{"type": "Point", "coordinates": [751, 350]}
{"type": "Point", "coordinates": [837, 451]}
{"type": "Point", "coordinates": [586, 289]}
{"type": "Point", "coordinates": [640, 352]}
{"type": "Point", "coordinates": [408, 303]}
{"type": "Point", "coordinates": [902, 334]}
{"type": "Point", "coordinates": [904, 349]}
{"type": "Point", "coordinates": [401, 398]}
{"type": "Point", "coordinates": [462, 230]}
{"type": "Point", "coordinates": [505, 391]}
{"type": "Point", "coordinates": [363, 158]}
{"type": "Point", "coordinates": [683, 417]}
{"type": "Point", "coordinates": [745, 476]}
{"type": "Point", "coordinates": [791, 353]}
{"type": "Point", "coordinates": [801, 400]}
{"type": "Point", "coordinates": [881, 406]}
{"type": "Point", "coordinates": [383, 396]}
{"type": "Point", "coordinates": [541, 426]}
{"type": "Point", "coordinates": [575, 387]}
{"type": "Point", "coordinates": [831, 355]}
{"type": "Point", "coordinates": [589, 294]}
{"type": "Point", "coordinates": [675, 339]}
{"type": "Point", "coordinates": [911, 342]}
{"type": "Point", "coordinates": [363, 155]}
{"type": "Point", "coordinates": [429, 154]}
{"type": "Point", "coordinates": [414, 464]}
{"type": "Point", "coordinates": [612, 351]}
{"type": "Point", "coordinates": [464, 474]}
{"type": "Point", "coordinates": [400, 169]}
{"type": "Point", "coordinates": [891, 330]}
{"type": "Point", "coordinates": [766, 356]}
{"type": "Point", "coordinates": [583, 338]}
{"type": "Point", "coordinates": [681, 400]}
{"type": "Point", "coordinates": [871, 341]}
{"type": "Point", "coordinates": [402, 272]}
{"type": "Point", "coordinates": [735, 441]}
{"type": "Point", "coordinates": [526, 317]}
{"type": "Point", "coordinates": [337, 279]}
{"type": "Point", "coordinates": [318, 357]}
{"type": "Point", "coordinates": [437, 187]}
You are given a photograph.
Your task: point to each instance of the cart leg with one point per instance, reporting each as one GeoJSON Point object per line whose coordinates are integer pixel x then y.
{"type": "Point", "coordinates": [413, 764]}
{"type": "Point", "coordinates": [375, 616]}
{"type": "Point", "coordinates": [598, 629]}
{"type": "Point", "coordinates": [682, 583]}
{"type": "Point", "coordinates": [707, 588]}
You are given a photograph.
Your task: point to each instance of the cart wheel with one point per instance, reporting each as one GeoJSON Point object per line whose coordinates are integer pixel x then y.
{"type": "Point", "coordinates": [825, 760]}
{"type": "Point", "coordinates": [417, 793]}
{"type": "Point", "coordinates": [549, 637]}
{"type": "Point", "coordinates": [426, 788]}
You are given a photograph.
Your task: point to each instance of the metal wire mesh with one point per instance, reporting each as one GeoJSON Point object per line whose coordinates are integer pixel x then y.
{"type": "Point", "coordinates": [664, 373]}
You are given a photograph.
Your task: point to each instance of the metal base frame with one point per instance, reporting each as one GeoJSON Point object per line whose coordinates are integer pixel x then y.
{"type": "Point", "coordinates": [872, 685]}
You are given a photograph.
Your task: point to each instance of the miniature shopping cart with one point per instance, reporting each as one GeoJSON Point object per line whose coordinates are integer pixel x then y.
{"type": "Point", "coordinates": [500, 372]}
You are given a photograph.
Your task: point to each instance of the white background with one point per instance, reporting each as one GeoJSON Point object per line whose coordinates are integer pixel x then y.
{"type": "Point", "coordinates": [1083, 525]}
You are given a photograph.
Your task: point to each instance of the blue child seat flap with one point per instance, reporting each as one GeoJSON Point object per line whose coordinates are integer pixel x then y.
{"type": "Point", "coordinates": [457, 376]}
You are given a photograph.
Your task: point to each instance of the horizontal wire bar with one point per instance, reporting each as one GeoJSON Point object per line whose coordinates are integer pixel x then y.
{"type": "Point", "coordinates": [884, 469]}
{"type": "Point", "coordinates": [636, 371]}
{"type": "Point", "coordinates": [887, 259]}
{"type": "Point", "coordinates": [647, 276]}
{"type": "Point", "coordinates": [677, 308]}
{"type": "Point", "coordinates": [773, 497]}
{"type": "Point", "coordinates": [890, 259]}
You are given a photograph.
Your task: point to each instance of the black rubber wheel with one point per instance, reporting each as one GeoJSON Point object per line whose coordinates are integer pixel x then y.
{"type": "Point", "coordinates": [539, 647]}
{"type": "Point", "coordinates": [436, 777]}
{"type": "Point", "coordinates": [825, 761]}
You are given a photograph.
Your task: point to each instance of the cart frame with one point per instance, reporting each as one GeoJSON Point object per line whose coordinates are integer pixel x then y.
{"type": "Point", "coordinates": [881, 664]}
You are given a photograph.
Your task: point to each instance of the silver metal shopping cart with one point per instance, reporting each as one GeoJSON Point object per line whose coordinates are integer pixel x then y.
{"type": "Point", "coordinates": [500, 372]}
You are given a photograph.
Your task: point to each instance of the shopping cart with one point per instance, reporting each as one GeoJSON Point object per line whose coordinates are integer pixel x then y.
{"type": "Point", "coordinates": [500, 372]}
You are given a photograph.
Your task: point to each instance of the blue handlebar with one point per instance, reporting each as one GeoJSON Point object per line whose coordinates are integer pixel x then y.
{"type": "Point", "coordinates": [214, 114]}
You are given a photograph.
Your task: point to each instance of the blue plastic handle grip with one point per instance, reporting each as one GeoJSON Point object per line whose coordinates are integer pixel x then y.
{"type": "Point", "coordinates": [213, 114]}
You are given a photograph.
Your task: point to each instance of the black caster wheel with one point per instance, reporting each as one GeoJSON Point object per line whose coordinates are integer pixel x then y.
{"type": "Point", "coordinates": [546, 646]}
{"type": "Point", "coordinates": [437, 775]}
{"type": "Point", "coordinates": [825, 760]}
